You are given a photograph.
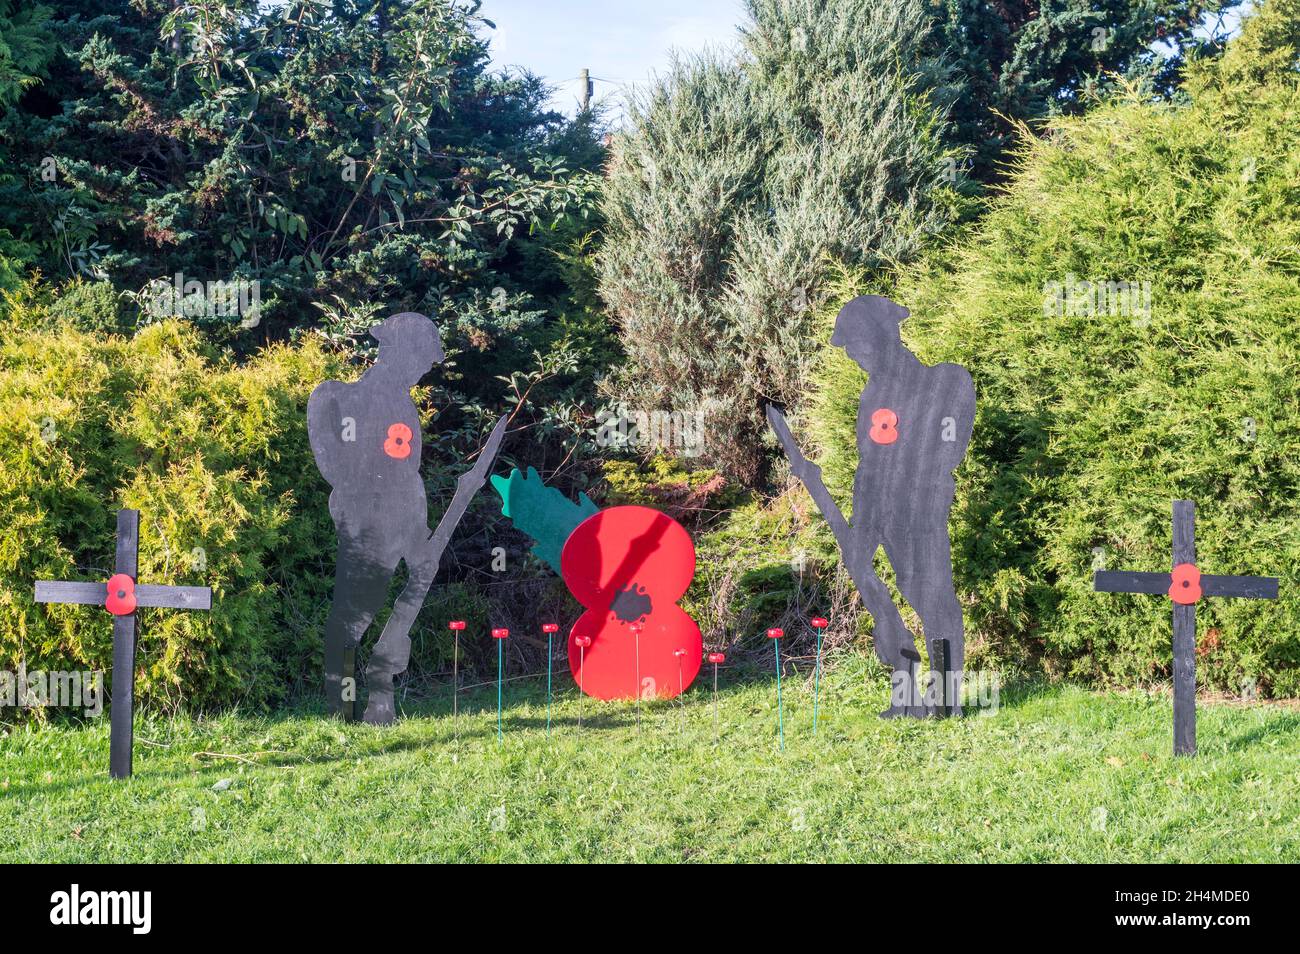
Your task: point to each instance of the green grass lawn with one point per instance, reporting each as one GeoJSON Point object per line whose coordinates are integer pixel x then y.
{"type": "Point", "coordinates": [1053, 775]}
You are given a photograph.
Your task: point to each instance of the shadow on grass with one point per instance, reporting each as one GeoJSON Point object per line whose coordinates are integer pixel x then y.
{"type": "Point", "coordinates": [1020, 691]}
{"type": "Point", "coordinates": [368, 747]}
{"type": "Point", "coordinates": [476, 724]}
{"type": "Point", "coordinates": [475, 707]}
{"type": "Point", "coordinates": [1283, 724]}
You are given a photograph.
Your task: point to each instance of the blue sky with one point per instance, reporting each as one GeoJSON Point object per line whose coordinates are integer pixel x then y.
{"type": "Point", "coordinates": [621, 42]}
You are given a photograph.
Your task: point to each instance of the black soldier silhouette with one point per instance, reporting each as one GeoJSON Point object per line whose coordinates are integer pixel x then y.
{"type": "Point", "coordinates": [365, 437]}
{"type": "Point", "coordinates": [914, 424]}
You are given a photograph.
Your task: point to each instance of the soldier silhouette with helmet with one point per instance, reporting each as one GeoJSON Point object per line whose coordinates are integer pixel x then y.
{"type": "Point", "coordinates": [914, 425]}
{"type": "Point", "coordinates": [365, 437]}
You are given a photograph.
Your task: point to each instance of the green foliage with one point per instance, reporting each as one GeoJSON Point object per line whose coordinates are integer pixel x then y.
{"type": "Point", "coordinates": [1019, 62]}
{"type": "Point", "coordinates": [736, 182]}
{"type": "Point", "coordinates": [327, 150]}
{"type": "Point", "coordinates": [542, 512]}
{"type": "Point", "coordinates": [1095, 413]}
{"type": "Point", "coordinates": [840, 132]}
{"type": "Point", "coordinates": [699, 498]}
{"type": "Point", "coordinates": [350, 158]}
{"type": "Point", "coordinates": [90, 306]}
{"type": "Point", "coordinates": [12, 256]}
{"type": "Point", "coordinates": [767, 564]}
{"type": "Point", "coordinates": [649, 481]}
{"type": "Point", "coordinates": [26, 47]}
{"type": "Point", "coordinates": [215, 456]}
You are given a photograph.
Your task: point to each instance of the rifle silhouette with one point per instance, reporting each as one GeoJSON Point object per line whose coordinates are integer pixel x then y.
{"type": "Point", "coordinates": [875, 596]}
{"type": "Point", "coordinates": [811, 476]}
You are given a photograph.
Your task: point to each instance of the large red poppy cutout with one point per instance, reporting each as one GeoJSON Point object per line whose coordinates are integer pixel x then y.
{"type": "Point", "coordinates": [630, 565]}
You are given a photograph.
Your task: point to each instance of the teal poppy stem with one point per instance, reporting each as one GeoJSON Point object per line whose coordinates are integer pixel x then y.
{"type": "Point", "coordinates": [716, 724]}
{"type": "Point", "coordinates": [780, 712]}
{"type": "Point", "coordinates": [681, 688]}
{"type": "Point", "coordinates": [500, 657]}
{"type": "Point", "coordinates": [817, 679]}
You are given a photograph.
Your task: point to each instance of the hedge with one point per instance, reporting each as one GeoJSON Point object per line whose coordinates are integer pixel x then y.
{"type": "Point", "coordinates": [215, 456]}
{"type": "Point", "coordinates": [1092, 419]}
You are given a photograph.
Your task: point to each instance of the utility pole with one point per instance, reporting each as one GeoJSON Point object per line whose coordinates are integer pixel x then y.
{"type": "Point", "coordinates": [587, 89]}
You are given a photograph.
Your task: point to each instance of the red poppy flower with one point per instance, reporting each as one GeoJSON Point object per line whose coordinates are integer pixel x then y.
{"type": "Point", "coordinates": [716, 658]}
{"type": "Point", "coordinates": [583, 641]}
{"type": "Point", "coordinates": [884, 426]}
{"type": "Point", "coordinates": [819, 623]}
{"type": "Point", "coordinates": [500, 633]}
{"type": "Point", "coordinates": [1186, 585]}
{"type": "Point", "coordinates": [456, 624]}
{"type": "Point", "coordinates": [398, 445]}
{"type": "Point", "coordinates": [121, 595]}
{"type": "Point", "coordinates": [775, 633]}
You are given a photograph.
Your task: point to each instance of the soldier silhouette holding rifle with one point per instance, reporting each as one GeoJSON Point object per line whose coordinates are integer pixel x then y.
{"type": "Point", "coordinates": [365, 437]}
{"type": "Point", "coordinates": [914, 424]}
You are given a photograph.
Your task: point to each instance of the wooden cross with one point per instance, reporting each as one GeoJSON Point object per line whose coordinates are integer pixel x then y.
{"type": "Point", "coordinates": [1185, 586]}
{"type": "Point", "coordinates": [121, 597]}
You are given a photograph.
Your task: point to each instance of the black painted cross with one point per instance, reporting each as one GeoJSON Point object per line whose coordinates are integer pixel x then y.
{"type": "Point", "coordinates": [121, 597]}
{"type": "Point", "coordinates": [1185, 586]}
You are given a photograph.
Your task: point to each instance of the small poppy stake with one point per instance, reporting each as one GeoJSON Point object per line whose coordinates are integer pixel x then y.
{"type": "Point", "coordinates": [500, 636]}
{"type": "Point", "coordinates": [550, 629]}
{"type": "Point", "coordinates": [819, 624]}
{"type": "Point", "coordinates": [775, 635]}
{"type": "Point", "coordinates": [679, 653]}
{"type": "Point", "coordinates": [716, 659]}
{"type": "Point", "coordinates": [583, 642]}
{"type": "Point", "coordinates": [456, 625]}
{"type": "Point", "coordinates": [636, 635]}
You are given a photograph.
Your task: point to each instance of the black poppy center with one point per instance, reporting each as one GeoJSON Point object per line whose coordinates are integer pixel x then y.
{"type": "Point", "coordinates": [631, 604]}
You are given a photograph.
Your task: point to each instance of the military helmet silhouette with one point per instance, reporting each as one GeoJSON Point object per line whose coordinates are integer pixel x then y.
{"type": "Point", "coordinates": [868, 318]}
{"type": "Point", "coordinates": [408, 329]}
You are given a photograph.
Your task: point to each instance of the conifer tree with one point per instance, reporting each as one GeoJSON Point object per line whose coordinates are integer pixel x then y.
{"type": "Point", "coordinates": [841, 134]}
{"type": "Point", "coordinates": [739, 180]}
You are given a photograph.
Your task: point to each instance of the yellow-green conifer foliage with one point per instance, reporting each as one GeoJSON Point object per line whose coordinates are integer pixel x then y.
{"type": "Point", "coordinates": [1094, 417]}
{"type": "Point", "coordinates": [215, 457]}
